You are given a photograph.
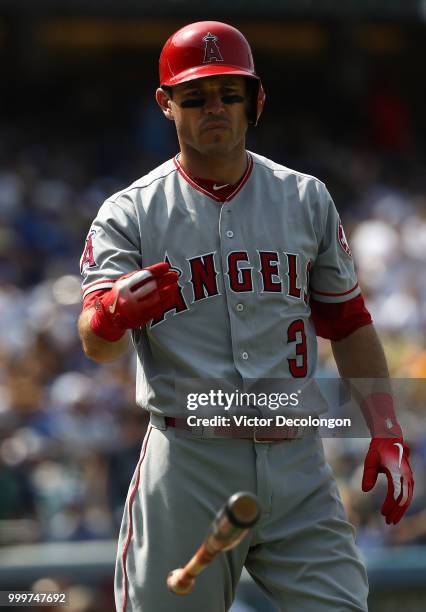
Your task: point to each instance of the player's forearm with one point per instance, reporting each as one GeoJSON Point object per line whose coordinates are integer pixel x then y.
{"type": "Point", "coordinates": [362, 364]}
{"type": "Point", "coordinates": [97, 348]}
{"type": "Point", "coordinates": [360, 355]}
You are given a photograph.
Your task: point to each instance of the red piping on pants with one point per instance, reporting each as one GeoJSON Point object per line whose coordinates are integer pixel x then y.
{"type": "Point", "coordinates": [130, 528]}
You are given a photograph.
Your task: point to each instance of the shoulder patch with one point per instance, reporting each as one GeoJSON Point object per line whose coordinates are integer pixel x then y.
{"type": "Point", "coordinates": [342, 239]}
{"type": "Point", "coordinates": [87, 259]}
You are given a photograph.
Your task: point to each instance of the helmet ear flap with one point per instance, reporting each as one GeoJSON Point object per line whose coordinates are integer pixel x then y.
{"type": "Point", "coordinates": [261, 97]}
{"type": "Point", "coordinates": [256, 100]}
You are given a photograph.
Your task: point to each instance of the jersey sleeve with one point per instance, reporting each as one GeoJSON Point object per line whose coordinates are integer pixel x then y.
{"type": "Point", "coordinates": [112, 245]}
{"type": "Point", "coordinates": [333, 277]}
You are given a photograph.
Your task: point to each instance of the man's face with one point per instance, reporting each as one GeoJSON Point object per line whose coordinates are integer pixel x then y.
{"type": "Point", "coordinates": [211, 113]}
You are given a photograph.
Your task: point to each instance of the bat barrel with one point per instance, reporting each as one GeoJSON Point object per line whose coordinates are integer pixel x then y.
{"type": "Point", "coordinates": [243, 509]}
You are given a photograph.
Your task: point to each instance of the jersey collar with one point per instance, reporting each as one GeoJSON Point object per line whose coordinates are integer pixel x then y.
{"type": "Point", "coordinates": [206, 187]}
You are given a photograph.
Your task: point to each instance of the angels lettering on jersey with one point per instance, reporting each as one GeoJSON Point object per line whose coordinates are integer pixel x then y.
{"type": "Point", "coordinates": [293, 282]}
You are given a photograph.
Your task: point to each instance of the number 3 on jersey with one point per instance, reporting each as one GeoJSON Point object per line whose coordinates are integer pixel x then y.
{"type": "Point", "coordinates": [296, 333]}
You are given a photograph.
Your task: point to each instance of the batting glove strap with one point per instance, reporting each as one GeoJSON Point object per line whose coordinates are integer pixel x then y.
{"type": "Point", "coordinates": [390, 457]}
{"type": "Point", "coordinates": [105, 325]}
{"type": "Point", "coordinates": [379, 413]}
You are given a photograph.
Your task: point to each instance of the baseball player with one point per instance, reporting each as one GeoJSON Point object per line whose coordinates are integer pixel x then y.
{"type": "Point", "coordinates": [226, 265]}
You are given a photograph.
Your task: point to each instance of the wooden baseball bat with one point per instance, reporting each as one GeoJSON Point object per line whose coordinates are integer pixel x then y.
{"type": "Point", "coordinates": [230, 525]}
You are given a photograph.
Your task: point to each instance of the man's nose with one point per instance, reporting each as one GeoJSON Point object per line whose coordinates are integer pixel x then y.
{"type": "Point", "coordinates": [213, 102]}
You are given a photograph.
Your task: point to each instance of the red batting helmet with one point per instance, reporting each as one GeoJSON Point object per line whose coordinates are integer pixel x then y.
{"type": "Point", "coordinates": [209, 48]}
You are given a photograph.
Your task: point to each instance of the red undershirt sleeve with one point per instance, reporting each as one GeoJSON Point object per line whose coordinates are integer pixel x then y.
{"type": "Point", "coordinates": [336, 320]}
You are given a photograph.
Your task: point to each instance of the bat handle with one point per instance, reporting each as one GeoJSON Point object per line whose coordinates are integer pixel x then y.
{"type": "Point", "coordinates": [182, 580]}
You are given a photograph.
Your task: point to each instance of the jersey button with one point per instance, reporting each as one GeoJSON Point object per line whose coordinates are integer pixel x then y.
{"type": "Point", "coordinates": [230, 234]}
{"type": "Point", "coordinates": [244, 356]}
{"type": "Point", "coordinates": [240, 307]}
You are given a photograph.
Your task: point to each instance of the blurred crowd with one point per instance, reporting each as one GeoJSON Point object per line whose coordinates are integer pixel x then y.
{"type": "Point", "coordinates": [70, 432]}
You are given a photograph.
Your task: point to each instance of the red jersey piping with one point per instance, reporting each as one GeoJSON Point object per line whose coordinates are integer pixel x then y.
{"type": "Point", "coordinates": [335, 294]}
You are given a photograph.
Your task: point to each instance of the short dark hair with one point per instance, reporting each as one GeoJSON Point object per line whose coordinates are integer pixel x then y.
{"type": "Point", "coordinates": [168, 90]}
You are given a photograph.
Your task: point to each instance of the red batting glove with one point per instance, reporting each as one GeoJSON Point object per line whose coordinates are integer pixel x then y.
{"type": "Point", "coordinates": [135, 299]}
{"type": "Point", "coordinates": [390, 456]}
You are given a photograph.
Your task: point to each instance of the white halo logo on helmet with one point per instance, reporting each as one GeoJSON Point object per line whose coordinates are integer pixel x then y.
{"type": "Point", "coordinates": [211, 49]}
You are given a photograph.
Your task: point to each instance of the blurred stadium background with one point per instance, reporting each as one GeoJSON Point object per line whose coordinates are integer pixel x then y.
{"type": "Point", "coordinates": [345, 102]}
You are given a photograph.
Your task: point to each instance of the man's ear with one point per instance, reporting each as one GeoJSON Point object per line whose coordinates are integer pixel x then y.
{"type": "Point", "coordinates": [163, 101]}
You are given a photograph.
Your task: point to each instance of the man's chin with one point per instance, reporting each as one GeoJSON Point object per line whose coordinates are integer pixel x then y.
{"type": "Point", "coordinates": [216, 145]}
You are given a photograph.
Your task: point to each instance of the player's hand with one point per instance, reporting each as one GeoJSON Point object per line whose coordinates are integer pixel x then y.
{"type": "Point", "coordinates": [389, 456]}
{"type": "Point", "coordinates": [135, 299]}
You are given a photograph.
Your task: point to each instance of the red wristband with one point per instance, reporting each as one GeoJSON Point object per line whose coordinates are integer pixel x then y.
{"type": "Point", "coordinates": [379, 414]}
{"type": "Point", "coordinates": [102, 326]}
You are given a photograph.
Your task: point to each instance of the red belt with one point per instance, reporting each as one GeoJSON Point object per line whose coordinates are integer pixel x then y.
{"type": "Point", "coordinates": [243, 433]}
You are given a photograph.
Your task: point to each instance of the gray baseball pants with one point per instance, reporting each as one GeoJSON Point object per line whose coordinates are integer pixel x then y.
{"type": "Point", "coordinates": [302, 552]}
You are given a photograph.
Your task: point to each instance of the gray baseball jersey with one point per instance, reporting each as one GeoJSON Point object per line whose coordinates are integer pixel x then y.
{"type": "Point", "coordinates": [246, 268]}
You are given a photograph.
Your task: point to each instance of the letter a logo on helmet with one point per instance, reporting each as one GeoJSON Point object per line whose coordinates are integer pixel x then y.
{"type": "Point", "coordinates": [211, 50]}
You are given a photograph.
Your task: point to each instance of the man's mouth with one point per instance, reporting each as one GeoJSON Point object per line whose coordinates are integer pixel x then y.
{"type": "Point", "coordinates": [215, 125]}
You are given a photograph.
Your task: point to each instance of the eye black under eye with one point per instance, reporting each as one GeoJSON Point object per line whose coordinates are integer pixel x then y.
{"type": "Point", "coordinates": [192, 103]}
{"type": "Point", "coordinates": [226, 99]}
{"type": "Point", "coordinates": [232, 99]}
